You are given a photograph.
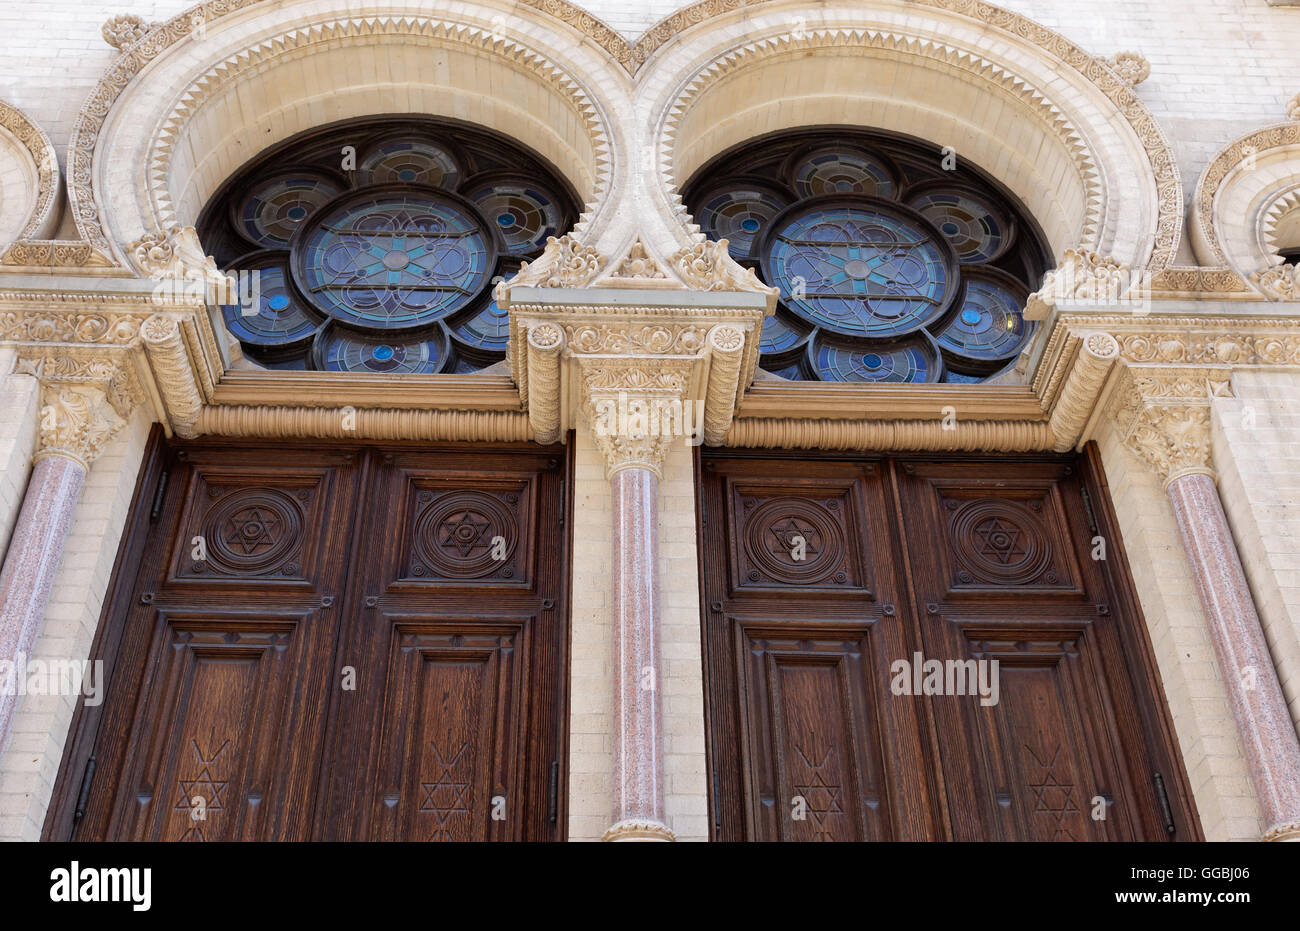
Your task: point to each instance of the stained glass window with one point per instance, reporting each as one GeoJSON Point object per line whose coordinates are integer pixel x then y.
{"type": "Point", "coordinates": [374, 248]}
{"type": "Point", "coordinates": [893, 264]}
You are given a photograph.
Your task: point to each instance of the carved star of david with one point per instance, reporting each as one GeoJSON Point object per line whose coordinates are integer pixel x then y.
{"type": "Point", "coordinates": [447, 796]}
{"type": "Point", "coordinates": [785, 539]}
{"type": "Point", "coordinates": [1001, 540]}
{"type": "Point", "coordinates": [464, 532]}
{"type": "Point", "coordinates": [253, 528]}
{"type": "Point", "coordinates": [821, 797]}
{"type": "Point", "coordinates": [204, 786]}
{"type": "Point", "coordinates": [1051, 796]}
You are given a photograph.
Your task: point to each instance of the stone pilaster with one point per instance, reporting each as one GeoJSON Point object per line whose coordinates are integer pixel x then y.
{"type": "Point", "coordinates": [1164, 415]}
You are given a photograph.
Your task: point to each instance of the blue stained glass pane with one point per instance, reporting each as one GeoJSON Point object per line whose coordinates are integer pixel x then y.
{"type": "Point", "coordinates": [487, 329]}
{"type": "Point", "coordinates": [394, 260]}
{"type": "Point", "coordinates": [411, 163]}
{"type": "Point", "coordinates": [778, 336]}
{"type": "Point", "coordinates": [859, 272]}
{"type": "Point", "coordinates": [897, 364]}
{"type": "Point", "coordinates": [909, 364]}
{"type": "Point", "coordinates": [275, 208]}
{"type": "Point", "coordinates": [976, 232]}
{"type": "Point", "coordinates": [525, 214]}
{"type": "Point", "coordinates": [990, 324]}
{"type": "Point", "coordinates": [271, 316]}
{"type": "Point", "coordinates": [345, 352]}
{"type": "Point", "coordinates": [842, 173]}
{"type": "Point", "coordinates": [737, 216]}
{"type": "Point", "coordinates": [957, 378]}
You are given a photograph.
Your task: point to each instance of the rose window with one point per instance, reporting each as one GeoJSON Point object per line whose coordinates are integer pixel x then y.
{"type": "Point", "coordinates": [375, 248]}
{"type": "Point", "coordinates": [893, 265]}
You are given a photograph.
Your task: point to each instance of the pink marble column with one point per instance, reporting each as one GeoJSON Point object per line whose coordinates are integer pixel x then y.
{"type": "Point", "coordinates": [35, 550]}
{"type": "Point", "coordinates": [638, 721]}
{"type": "Point", "coordinates": [1267, 732]}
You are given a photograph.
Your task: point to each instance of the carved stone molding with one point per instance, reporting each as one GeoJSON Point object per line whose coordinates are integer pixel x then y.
{"type": "Point", "coordinates": [1279, 283]}
{"type": "Point", "coordinates": [1163, 415]}
{"type": "Point", "coordinates": [1283, 832]}
{"type": "Point", "coordinates": [708, 266]}
{"type": "Point", "coordinates": [1080, 276]}
{"type": "Point", "coordinates": [77, 422]}
{"type": "Point", "coordinates": [638, 830]}
{"type": "Point", "coordinates": [1097, 355]}
{"type": "Point", "coordinates": [165, 347]}
{"type": "Point", "coordinates": [564, 263]}
{"type": "Point", "coordinates": [41, 219]}
{"type": "Point", "coordinates": [175, 253]}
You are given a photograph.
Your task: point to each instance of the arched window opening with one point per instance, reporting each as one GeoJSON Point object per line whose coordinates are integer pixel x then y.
{"type": "Point", "coordinates": [896, 261]}
{"type": "Point", "coordinates": [376, 244]}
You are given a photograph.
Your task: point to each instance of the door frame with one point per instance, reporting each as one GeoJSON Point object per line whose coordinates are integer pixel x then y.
{"type": "Point", "coordinates": [149, 493]}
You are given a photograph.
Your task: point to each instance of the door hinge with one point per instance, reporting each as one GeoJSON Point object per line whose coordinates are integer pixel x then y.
{"type": "Point", "coordinates": [1088, 512]}
{"type": "Point", "coordinates": [158, 494]}
{"type": "Point", "coordinates": [553, 798]}
{"type": "Point", "coordinates": [83, 793]}
{"type": "Point", "coordinates": [1165, 811]}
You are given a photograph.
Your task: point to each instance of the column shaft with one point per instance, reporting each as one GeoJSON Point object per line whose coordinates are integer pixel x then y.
{"type": "Point", "coordinates": [1267, 732]}
{"type": "Point", "coordinates": [638, 736]}
{"type": "Point", "coordinates": [35, 550]}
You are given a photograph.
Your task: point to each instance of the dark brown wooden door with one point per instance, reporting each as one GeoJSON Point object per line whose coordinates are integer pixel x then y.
{"type": "Point", "coordinates": [308, 643]}
{"type": "Point", "coordinates": [819, 577]}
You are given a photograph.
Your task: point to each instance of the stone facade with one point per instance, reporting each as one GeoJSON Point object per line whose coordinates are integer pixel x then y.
{"type": "Point", "coordinates": [1167, 182]}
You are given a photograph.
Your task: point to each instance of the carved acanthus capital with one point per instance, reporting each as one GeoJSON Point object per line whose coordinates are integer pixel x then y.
{"type": "Point", "coordinates": [637, 407]}
{"type": "Point", "coordinates": [77, 422]}
{"type": "Point", "coordinates": [1080, 276]}
{"type": "Point", "coordinates": [1164, 417]}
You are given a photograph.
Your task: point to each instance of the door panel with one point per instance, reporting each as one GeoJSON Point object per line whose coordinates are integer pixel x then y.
{"type": "Point", "coordinates": [958, 561]}
{"type": "Point", "coordinates": [333, 644]}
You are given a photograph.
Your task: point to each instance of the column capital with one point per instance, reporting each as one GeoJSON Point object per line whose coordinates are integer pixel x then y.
{"type": "Point", "coordinates": [1163, 414]}
{"type": "Point", "coordinates": [77, 422]}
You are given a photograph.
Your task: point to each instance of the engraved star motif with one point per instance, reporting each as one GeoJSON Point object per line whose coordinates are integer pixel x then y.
{"type": "Point", "coordinates": [253, 528]}
{"type": "Point", "coordinates": [785, 537]}
{"type": "Point", "coordinates": [821, 797]}
{"type": "Point", "coordinates": [464, 531]}
{"type": "Point", "coordinates": [446, 797]}
{"type": "Point", "coordinates": [1001, 540]}
{"type": "Point", "coordinates": [1051, 796]}
{"type": "Point", "coordinates": [204, 786]}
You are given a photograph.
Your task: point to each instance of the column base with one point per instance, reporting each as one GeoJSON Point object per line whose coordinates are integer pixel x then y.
{"type": "Point", "coordinates": [1289, 831]}
{"type": "Point", "coordinates": [636, 829]}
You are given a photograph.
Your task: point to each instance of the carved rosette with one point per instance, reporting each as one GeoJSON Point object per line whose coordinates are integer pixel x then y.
{"type": "Point", "coordinates": [1132, 67]}
{"type": "Point", "coordinates": [124, 29]}
{"type": "Point", "coordinates": [1164, 417]}
{"type": "Point", "coordinates": [77, 422]}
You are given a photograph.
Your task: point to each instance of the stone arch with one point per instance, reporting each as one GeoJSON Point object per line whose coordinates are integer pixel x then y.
{"type": "Point", "coordinates": [1062, 129]}
{"type": "Point", "coordinates": [1246, 209]}
{"type": "Point", "coordinates": [29, 179]}
{"type": "Point", "coordinates": [221, 82]}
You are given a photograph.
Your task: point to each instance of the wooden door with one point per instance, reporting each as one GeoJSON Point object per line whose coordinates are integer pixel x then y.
{"type": "Point", "coordinates": [307, 643]}
{"type": "Point", "coordinates": [958, 561]}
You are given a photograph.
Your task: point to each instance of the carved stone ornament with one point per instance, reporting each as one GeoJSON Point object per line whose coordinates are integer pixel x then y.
{"type": "Point", "coordinates": [124, 29]}
{"type": "Point", "coordinates": [1165, 418]}
{"type": "Point", "coordinates": [708, 266]}
{"type": "Point", "coordinates": [1080, 276]}
{"type": "Point", "coordinates": [1279, 283]}
{"type": "Point", "coordinates": [638, 830]}
{"type": "Point", "coordinates": [564, 263]}
{"type": "Point", "coordinates": [1293, 108]}
{"type": "Point", "coordinates": [639, 264]}
{"type": "Point", "coordinates": [175, 254]}
{"type": "Point", "coordinates": [1132, 67]}
{"type": "Point", "coordinates": [77, 421]}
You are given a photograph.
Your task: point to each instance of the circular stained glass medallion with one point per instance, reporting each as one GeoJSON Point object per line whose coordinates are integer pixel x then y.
{"type": "Point", "coordinates": [859, 269]}
{"type": "Point", "coordinates": [274, 209]}
{"type": "Point", "coordinates": [524, 214]}
{"type": "Point", "coordinates": [989, 324]}
{"type": "Point", "coordinates": [394, 257]}
{"type": "Point", "coordinates": [912, 361]}
{"type": "Point", "coordinates": [269, 313]}
{"type": "Point", "coordinates": [841, 171]}
{"type": "Point", "coordinates": [977, 232]}
{"type": "Point", "coordinates": [403, 161]}
{"type": "Point", "coordinates": [738, 215]}
{"type": "Point", "coordinates": [340, 350]}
